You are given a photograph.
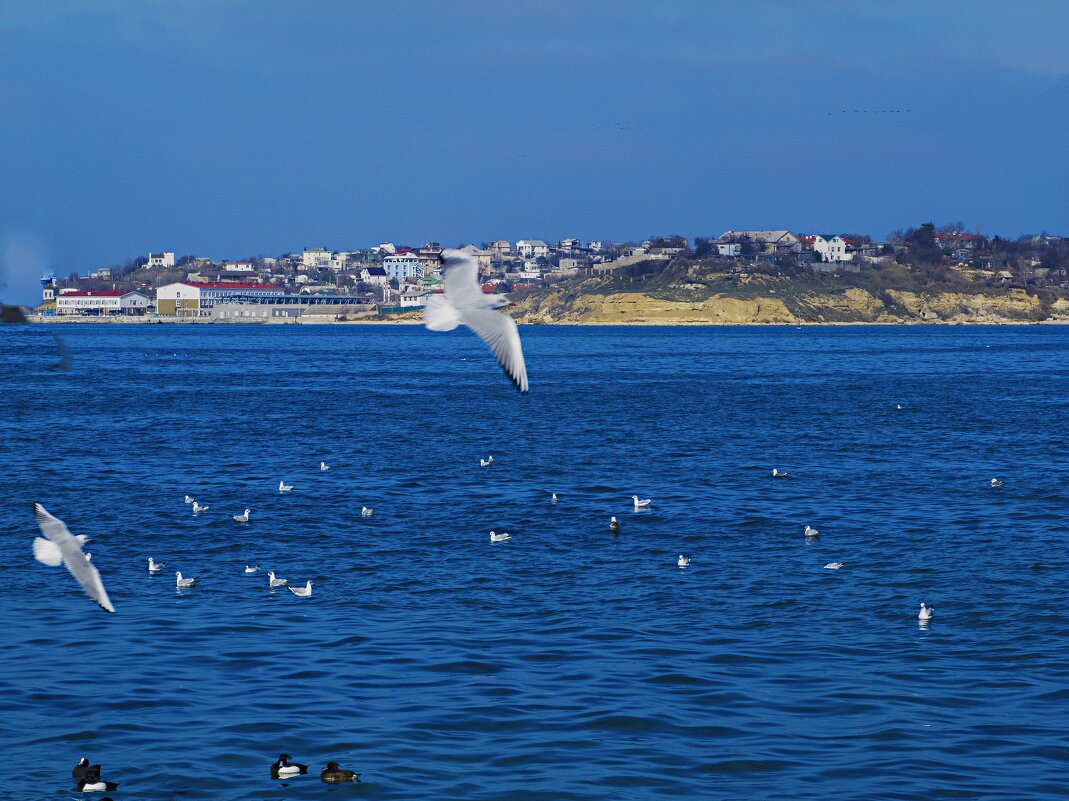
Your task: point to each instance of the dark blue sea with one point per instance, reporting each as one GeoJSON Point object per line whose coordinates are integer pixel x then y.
{"type": "Point", "coordinates": [566, 663]}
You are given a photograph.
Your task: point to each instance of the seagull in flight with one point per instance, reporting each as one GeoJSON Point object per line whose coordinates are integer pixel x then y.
{"type": "Point", "coordinates": [59, 546]}
{"type": "Point", "coordinates": [465, 303]}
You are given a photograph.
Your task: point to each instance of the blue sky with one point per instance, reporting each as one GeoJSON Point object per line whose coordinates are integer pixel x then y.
{"type": "Point", "coordinates": [230, 129]}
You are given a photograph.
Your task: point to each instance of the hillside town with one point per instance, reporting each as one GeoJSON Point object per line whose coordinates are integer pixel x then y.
{"type": "Point", "coordinates": [390, 279]}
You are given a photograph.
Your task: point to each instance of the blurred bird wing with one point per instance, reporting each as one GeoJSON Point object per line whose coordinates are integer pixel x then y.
{"type": "Point", "coordinates": [47, 552]}
{"type": "Point", "coordinates": [500, 333]}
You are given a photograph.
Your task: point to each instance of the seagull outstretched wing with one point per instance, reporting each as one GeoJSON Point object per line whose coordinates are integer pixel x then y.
{"type": "Point", "coordinates": [465, 299]}
{"type": "Point", "coordinates": [74, 559]}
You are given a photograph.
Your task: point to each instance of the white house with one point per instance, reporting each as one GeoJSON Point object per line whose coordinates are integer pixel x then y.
{"type": "Point", "coordinates": [730, 249]}
{"type": "Point", "coordinates": [186, 298]}
{"type": "Point", "coordinates": [237, 267]}
{"type": "Point", "coordinates": [831, 248]}
{"type": "Point", "coordinates": [401, 266]}
{"type": "Point", "coordinates": [315, 258]}
{"type": "Point", "coordinates": [108, 302]}
{"type": "Point", "coordinates": [374, 275]}
{"type": "Point", "coordinates": [414, 297]}
{"type": "Point", "coordinates": [532, 248]}
{"type": "Point", "coordinates": [165, 259]}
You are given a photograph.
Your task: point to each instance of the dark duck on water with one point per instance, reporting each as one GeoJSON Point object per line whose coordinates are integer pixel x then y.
{"type": "Point", "coordinates": [332, 774]}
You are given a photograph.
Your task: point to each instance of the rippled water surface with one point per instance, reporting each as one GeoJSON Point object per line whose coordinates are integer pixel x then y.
{"type": "Point", "coordinates": [566, 663]}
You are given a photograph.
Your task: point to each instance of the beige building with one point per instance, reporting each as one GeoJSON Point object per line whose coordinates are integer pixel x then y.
{"type": "Point", "coordinates": [188, 299]}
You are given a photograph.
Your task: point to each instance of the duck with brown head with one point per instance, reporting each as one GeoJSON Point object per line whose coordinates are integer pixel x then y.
{"type": "Point", "coordinates": [332, 774]}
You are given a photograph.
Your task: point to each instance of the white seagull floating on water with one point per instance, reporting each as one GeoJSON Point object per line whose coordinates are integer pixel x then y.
{"type": "Point", "coordinates": [284, 487]}
{"type": "Point", "coordinates": [301, 592]}
{"type": "Point", "coordinates": [486, 462]}
{"type": "Point", "coordinates": [495, 537]}
{"type": "Point", "coordinates": [554, 499]}
{"type": "Point", "coordinates": [777, 474]}
{"type": "Point", "coordinates": [683, 561]}
{"type": "Point", "coordinates": [60, 547]}
{"type": "Point", "coordinates": [324, 466]}
{"type": "Point", "coordinates": [155, 567]}
{"type": "Point", "coordinates": [365, 512]}
{"type": "Point", "coordinates": [252, 569]}
{"type": "Point", "coordinates": [641, 504]}
{"type": "Point", "coordinates": [996, 483]}
{"type": "Point", "coordinates": [242, 518]}
{"type": "Point", "coordinates": [188, 499]}
{"type": "Point", "coordinates": [197, 508]}
{"type": "Point", "coordinates": [275, 582]}
{"type": "Point", "coordinates": [614, 526]}
{"type": "Point", "coordinates": [833, 565]}
{"type": "Point", "coordinates": [465, 303]}
{"type": "Point", "coordinates": [811, 532]}
{"type": "Point", "coordinates": [926, 612]}
{"type": "Point", "coordinates": [183, 583]}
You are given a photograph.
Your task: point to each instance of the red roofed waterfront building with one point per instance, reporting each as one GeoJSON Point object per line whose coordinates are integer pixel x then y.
{"type": "Point", "coordinates": [189, 299]}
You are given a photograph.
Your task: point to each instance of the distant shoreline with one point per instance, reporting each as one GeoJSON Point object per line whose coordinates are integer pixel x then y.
{"type": "Point", "coordinates": [76, 320]}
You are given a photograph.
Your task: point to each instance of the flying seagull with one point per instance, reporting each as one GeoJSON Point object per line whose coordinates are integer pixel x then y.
{"type": "Point", "coordinates": [13, 314]}
{"type": "Point", "coordinates": [59, 546]}
{"type": "Point", "coordinates": [465, 303]}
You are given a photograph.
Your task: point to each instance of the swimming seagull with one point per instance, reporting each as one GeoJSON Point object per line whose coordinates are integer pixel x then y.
{"type": "Point", "coordinates": [155, 567]}
{"type": "Point", "coordinates": [996, 483]}
{"type": "Point", "coordinates": [252, 568]}
{"type": "Point", "coordinates": [324, 466]}
{"type": "Point", "coordinates": [286, 768]}
{"type": "Point", "coordinates": [900, 407]}
{"type": "Point", "coordinates": [495, 537]}
{"type": "Point", "coordinates": [777, 474]}
{"type": "Point", "coordinates": [365, 512]}
{"type": "Point", "coordinates": [189, 499]}
{"type": "Point", "coordinates": [465, 303]}
{"type": "Point", "coordinates": [833, 565]}
{"type": "Point", "coordinates": [641, 504]}
{"type": "Point", "coordinates": [284, 487]}
{"type": "Point", "coordinates": [333, 774]}
{"type": "Point", "coordinates": [275, 582]}
{"type": "Point", "coordinates": [59, 546]}
{"type": "Point", "coordinates": [554, 499]}
{"type": "Point", "coordinates": [486, 462]}
{"type": "Point", "coordinates": [811, 532]}
{"type": "Point", "coordinates": [614, 526]}
{"type": "Point", "coordinates": [926, 612]}
{"type": "Point", "coordinates": [241, 518]}
{"type": "Point", "coordinates": [182, 583]}
{"type": "Point", "coordinates": [301, 592]}
{"type": "Point", "coordinates": [197, 508]}
{"type": "Point", "coordinates": [683, 561]}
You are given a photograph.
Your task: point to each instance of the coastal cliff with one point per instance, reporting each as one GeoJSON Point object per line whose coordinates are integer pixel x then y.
{"type": "Point", "coordinates": [765, 300]}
